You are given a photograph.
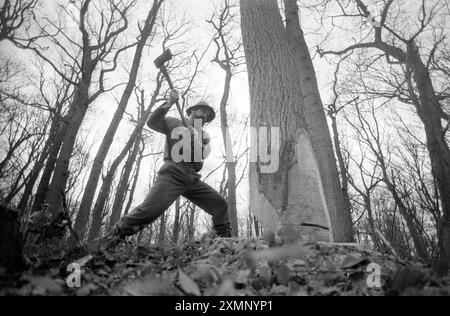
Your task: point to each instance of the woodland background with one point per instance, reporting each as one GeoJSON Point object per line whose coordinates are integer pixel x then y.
{"type": "Point", "coordinates": [78, 83]}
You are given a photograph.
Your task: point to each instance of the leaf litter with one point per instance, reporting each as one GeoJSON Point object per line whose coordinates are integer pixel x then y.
{"type": "Point", "coordinates": [227, 267]}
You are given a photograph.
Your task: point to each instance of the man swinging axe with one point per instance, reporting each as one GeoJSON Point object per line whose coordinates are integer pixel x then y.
{"type": "Point", "coordinates": [187, 145]}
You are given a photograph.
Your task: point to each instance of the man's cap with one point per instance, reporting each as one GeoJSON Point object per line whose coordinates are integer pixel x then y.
{"type": "Point", "coordinates": [203, 105]}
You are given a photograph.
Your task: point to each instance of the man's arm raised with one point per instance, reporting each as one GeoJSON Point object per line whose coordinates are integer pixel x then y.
{"type": "Point", "coordinates": [156, 120]}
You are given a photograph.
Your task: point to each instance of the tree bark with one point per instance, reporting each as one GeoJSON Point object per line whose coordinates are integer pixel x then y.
{"type": "Point", "coordinates": [135, 179]}
{"type": "Point", "coordinates": [162, 228]}
{"type": "Point", "coordinates": [190, 223]}
{"type": "Point", "coordinates": [44, 183]}
{"type": "Point", "coordinates": [94, 176]}
{"type": "Point", "coordinates": [124, 183]}
{"type": "Point", "coordinates": [318, 130]}
{"type": "Point", "coordinates": [75, 118]}
{"type": "Point", "coordinates": [37, 168]}
{"type": "Point", "coordinates": [344, 171]}
{"type": "Point", "coordinates": [293, 194]}
{"type": "Point", "coordinates": [429, 111]}
{"type": "Point", "coordinates": [176, 222]}
{"type": "Point", "coordinates": [229, 156]}
{"type": "Point", "coordinates": [107, 181]}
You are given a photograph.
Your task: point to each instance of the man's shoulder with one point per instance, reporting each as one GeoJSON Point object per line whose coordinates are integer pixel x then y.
{"type": "Point", "coordinates": [172, 123]}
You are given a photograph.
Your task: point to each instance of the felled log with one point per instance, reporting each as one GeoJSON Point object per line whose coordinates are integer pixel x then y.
{"type": "Point", "coordinates": [11, 243]}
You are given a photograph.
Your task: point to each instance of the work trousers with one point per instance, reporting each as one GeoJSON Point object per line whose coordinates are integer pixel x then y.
{"type": "Point", "coordinates": [174, 180]}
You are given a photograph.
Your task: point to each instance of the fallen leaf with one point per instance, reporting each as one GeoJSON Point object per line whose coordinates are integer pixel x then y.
{"type": "Point", "coordinates": [352, 262]}
{"type": "Point", "coordinates": [296, 290]}
{"type": "Point", "coordinates": [188, 285]}
{"type": "Point", "coordinates": [226, 289]}
{"type": "Point", "coordinates": [151, 286]}
{"type": "Point", "coordinates": [282, 274]}
{"type": "Point", "coordinates": [204, 275]}
{"type": "Point", "coordinates": [87, 290]}
{"type": "Point", "coordinates": [329, 291]}
{"type": "Point", "coordinates": [279, 290]}
{"type": "Point", "coordinates": [44, 285]}
{"type": "Point", "coordinates": [242, 277]}
{"type": "Point", "coordinates": [274, 255]}
{"type": "Point", "coordinates": [83, 261]}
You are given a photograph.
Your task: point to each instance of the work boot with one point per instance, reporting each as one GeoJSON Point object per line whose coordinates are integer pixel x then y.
{"type": "Point", "coordinates": [224, 230]}
{"type": "Point", "coordinates": [116, 235]}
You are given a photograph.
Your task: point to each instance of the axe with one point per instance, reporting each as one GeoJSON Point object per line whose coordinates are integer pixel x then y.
{"type": "Point", "coordinates": [159, 63]}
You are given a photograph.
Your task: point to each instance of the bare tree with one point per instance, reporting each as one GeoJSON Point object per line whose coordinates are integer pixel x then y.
{"type": "Point", "coordinates": [371, 135]}
{"type": "Point", "coordinates": [13, 16]}
{"type": "Point", "coordinates": [135, 179]}
{"type": "Point", "coordinates": [97, 45]}
{"type": "Point", "coordinates": [229, 56]}
{"type": "Point", "coordinates": [146, 30]}
{"type": "Point", "coordinates": [399, 44]}
{"type": "Point", "coordinates": [108, 179]}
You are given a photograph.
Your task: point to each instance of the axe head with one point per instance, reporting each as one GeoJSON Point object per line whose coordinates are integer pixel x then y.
{"type": "Point", "coordinates": [165, 57]}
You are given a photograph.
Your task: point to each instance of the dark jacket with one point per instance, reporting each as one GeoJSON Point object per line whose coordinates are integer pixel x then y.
{"type": "Point", "coordinates": [165, 125]}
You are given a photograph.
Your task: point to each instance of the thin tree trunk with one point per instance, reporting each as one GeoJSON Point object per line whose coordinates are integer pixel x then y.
{"type": "Point", "coordinates": [417, 240]}
{"type": "Point", "coordinates": [230, 163]}
{"type": "Point", "coordinates": [256, 224]}
{"type": "Point", "coordinates": [135, 180]}
{"type": "Point", "coordinates": [105, 190]}
{"type": "Point", "coordinates": [374, 233]}
{"type": "Point", "coordinates": [91, 186]}
{"type": "Point", "coordinates": [191, 226]}
{"type": "Point", "coordinates": [342, 167]}
{"type": "Point", "coordinates": [176, 222]}
{"type": "Point", "coordinates": [44, 183]}
{"type": "Point", "coordinates": [318, 130]}
{"type": "Point", "coordinates": [162, 229]}
{"type": "Point", "coordinates": [37, 168]}
{"type": "Point", "coordinates": [75, 118]}
{"type": "Point", "coordinates": [123, 186]}
{"type": "Point", "coordinates": [107, 181]}
{"type": "Point", "coordinates": [294, 192]}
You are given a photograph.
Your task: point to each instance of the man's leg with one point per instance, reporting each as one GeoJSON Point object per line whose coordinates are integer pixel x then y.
{"type": "Point", "coordinates": [169, 185]}
{"type": "Point", "coordinates": [213, 203]}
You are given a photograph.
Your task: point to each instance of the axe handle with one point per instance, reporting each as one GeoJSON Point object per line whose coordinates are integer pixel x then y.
{"type": "Point", "coordinates": [169, 81]}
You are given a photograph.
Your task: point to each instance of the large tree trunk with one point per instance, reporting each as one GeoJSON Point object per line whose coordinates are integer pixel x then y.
{"type": "Point", "coordinates": [124, 183]}
{"type": "Point", "coordinates": [293, 194]}
{"type": "Point", "coordinates": [318, 130]}
{"type": "Point", "coordinates": [94, 176]}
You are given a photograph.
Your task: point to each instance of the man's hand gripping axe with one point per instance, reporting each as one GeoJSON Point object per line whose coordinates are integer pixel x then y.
{"type": "Point", "coordinates": [159, 63]}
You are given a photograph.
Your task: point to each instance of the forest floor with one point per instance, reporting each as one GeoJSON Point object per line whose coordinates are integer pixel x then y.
{"type": "Point", "coordinates": [224, 267]}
